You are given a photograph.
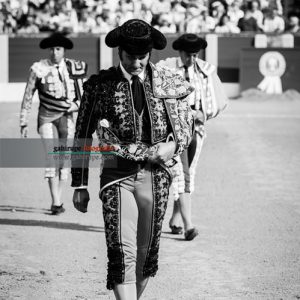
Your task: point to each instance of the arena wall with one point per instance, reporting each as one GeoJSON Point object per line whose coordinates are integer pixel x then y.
{"type": "Point", "coordinates": [227, 52]}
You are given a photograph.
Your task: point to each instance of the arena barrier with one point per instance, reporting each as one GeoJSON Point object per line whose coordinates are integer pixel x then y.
{"type": "Point", "coordinates": [227, 52]}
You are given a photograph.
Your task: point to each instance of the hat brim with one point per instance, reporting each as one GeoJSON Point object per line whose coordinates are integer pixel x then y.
{"type": "Point", "coordinates": [116, 38]}
{"type": "Point", "coordinates": [189, 43]}
{"type": "Point", "coordinates": [56, 41]}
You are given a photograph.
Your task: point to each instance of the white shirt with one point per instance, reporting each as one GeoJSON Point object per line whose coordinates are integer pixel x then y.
{"type": "Point", "coordinates": [194, 81]}
{"type": "Point", "coordinates": [129, 76]}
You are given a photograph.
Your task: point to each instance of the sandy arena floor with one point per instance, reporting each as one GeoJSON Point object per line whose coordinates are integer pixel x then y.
{"type": "Point", "coordinates": [246, 207]}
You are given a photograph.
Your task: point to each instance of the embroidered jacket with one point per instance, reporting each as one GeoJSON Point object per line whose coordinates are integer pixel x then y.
{"type": "Point", "coordinates": [209, 94]}
{"type": "Point", "coordinates": [57, 87]}
{"type": "Point", "coordinates": [107, 108]}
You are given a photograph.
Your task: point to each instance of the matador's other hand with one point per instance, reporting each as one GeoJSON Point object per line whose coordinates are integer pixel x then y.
{"type": "Point", "coordinates": [73, 107]}
{"type": "Point", "coordinates": [81, 199]}
{"type": "Point", "coordinates": [199, 117]}
{"type": "Point", "coordinates": [24, 131]}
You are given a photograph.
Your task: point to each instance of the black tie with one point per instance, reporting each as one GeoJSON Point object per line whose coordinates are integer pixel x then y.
{"type": "Point", "coordinates": [138, 94]}
{"type": "Point", "coordinates": [59, 75]}
{"type": "Point", "coordinates": [186, 74]}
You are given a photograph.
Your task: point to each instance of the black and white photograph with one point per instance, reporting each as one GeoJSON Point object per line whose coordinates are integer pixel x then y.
{"type": "Point", "coordinates": [149, 150]}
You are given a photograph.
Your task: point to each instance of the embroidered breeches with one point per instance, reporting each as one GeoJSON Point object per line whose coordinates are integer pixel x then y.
{"type": "Point", "coordinates": [133, 211]}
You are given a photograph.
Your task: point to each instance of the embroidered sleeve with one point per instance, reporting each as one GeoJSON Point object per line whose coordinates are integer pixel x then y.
{"type": "Point", "coordinates": [85, 126]}
{"type": "Point", "coordinates": [27, 98]}
{"type": "Point", "coordinates": [183, 122]}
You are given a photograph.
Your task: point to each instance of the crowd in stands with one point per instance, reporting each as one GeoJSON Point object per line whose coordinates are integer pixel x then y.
{"type": "Point", "coordinates": [169, 16]}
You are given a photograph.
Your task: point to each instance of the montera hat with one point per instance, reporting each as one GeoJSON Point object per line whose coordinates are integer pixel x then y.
{"type": "Point", "coordinates": [190, 43]}
{"type": "Point", "coordinates": [136, 37]}
{"type": "Point", "coordinates": [56, 40]}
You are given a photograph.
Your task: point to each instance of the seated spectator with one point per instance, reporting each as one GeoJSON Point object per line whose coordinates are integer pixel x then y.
{"type": "Point", "coordinates": [44, 16]}
{"type": "Point", "coordinates": [248, 22]}
{"type": "Point", "coordinates": [272, 23]}
{"type": "Point", "coordinates": [101, 25]}
{"type": "Point", "coordinates": [225, 26]}
{"type": "Point", "coordinates": [10, 24]}
{"type": "Point", "coordinates": [206, 22]}
{"type": "Point", "coordinates": [30, 26]}
{"type": "Point", "coordinates": [68, 20]}
{"type": "Point", "coordinates": [218, 9]}
{"type": "Point", "coordinates": [293, 24]}
{"type": "Point", "coordinates": [191, 23]}
{"type": "Point", "coordinates": [164, 25]}
{"type": "Point", "coordinates": [256, 12]}
{"type": "Point", "coordinates": [124, 12]}
{"type": "Point", "coordinates": [145, 14]}
{"type": "Point", "coordinates": [160, 6]}
{"type": "Point", "coordinates": [2, 18]}
{"type": "Point", "coordinates": [86, 23]}
{"type": "Point", "coordinates": [178, 14]}
{"type": "Point", "coordinates": [277, 6]}
{"type": "Point", "coordinates": [234, 12]}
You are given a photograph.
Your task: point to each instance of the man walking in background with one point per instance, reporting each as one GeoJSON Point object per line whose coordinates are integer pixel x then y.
{"type": "Point", "coordinates": [207, 100]}
{"type": "Point", "coordinates": [59, 83]}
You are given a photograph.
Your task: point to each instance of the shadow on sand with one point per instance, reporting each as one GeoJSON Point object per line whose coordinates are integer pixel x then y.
{"type": "Point", "coordinates": [42, 223]}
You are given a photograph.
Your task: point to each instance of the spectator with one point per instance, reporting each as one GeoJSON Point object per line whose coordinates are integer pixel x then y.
{"type": "Point", "coordinates": [86, 22]}
{"type": "Point", "coordinates": [101, 25]}
{"type": "Point", "coordinates": [44, 16]}
{"type": "Point", "coordinates": [225, 26]}
{"type": "Point", "coordinates": [145, 14]}
{"type": "Point", "coordinates": [160, 6]}
{"type": "Point", "coordinates": [208, 23]}
{"type": "Point", "coordinates": [164, 24]}
{"type": "Point", "coordinates": [2, 22]}
{"type": "Point", "coordinates": [125, 12]}
{"type": "Point", "coordinates": [248, 22]}
{"type": "Point", "coordinates": [256, 12]}
{"type": "Point", "coordinates": [293, 24]}
{"type": "Point", "coordinates": [192, 22]}
{"type": "Point", "coordinates": [67, 20]}
{"type": "Point", "coordinates": [177, 14]}
{"type": "Point", "coordinates": [10, 24]}
{"type": "Point", "coordinates": [218, 9]}
{"type": "Point", "coordinates": [235, 13]}
{"type": "Point", "coordinates": [30, 26]}
{"type": "Point", "coordinates": [272, 23]}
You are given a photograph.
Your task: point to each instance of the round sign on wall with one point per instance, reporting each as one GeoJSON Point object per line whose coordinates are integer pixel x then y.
{"type": "Point", "coordinates": [272, 65]}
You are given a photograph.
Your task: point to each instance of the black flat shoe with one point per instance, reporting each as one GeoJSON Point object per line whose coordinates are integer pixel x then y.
{"type": "Point", "coordinates": [191, 234]}
{"type": "Point", "coordinates": [176, 229]}
{"type": "Point", "coordinates": [57, 210]}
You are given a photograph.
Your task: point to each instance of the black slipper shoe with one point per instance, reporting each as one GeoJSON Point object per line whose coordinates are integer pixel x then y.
{"type": "Point", "coordinates": [176, 229]}
{"type": "Point", "coordinates": [190, 234]}
{"type": "Point", "coordinates": [57, 210]}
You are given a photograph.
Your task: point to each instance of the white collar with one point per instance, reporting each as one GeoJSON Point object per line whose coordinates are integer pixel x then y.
{"type": "Point", "coordinates": [60, 65]}
{"type": "Point", "coordinates": [129, 76]}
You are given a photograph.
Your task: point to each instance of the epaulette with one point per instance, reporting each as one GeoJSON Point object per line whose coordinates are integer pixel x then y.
{"type": "Point", "coordinates": [108, 74]}
{"type": "Point", "coordinates": [77, 68]}
{"type": "Point", "coordinates": [91, 83]}
{"type": "Point", "coordinates": [168, 84]}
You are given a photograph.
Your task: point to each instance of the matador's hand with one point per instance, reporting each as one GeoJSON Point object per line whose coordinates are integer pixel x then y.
{"type": "Point", "coordinates": [81, 199]}
{"type": "Point", "coordinates": [163, 153]}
